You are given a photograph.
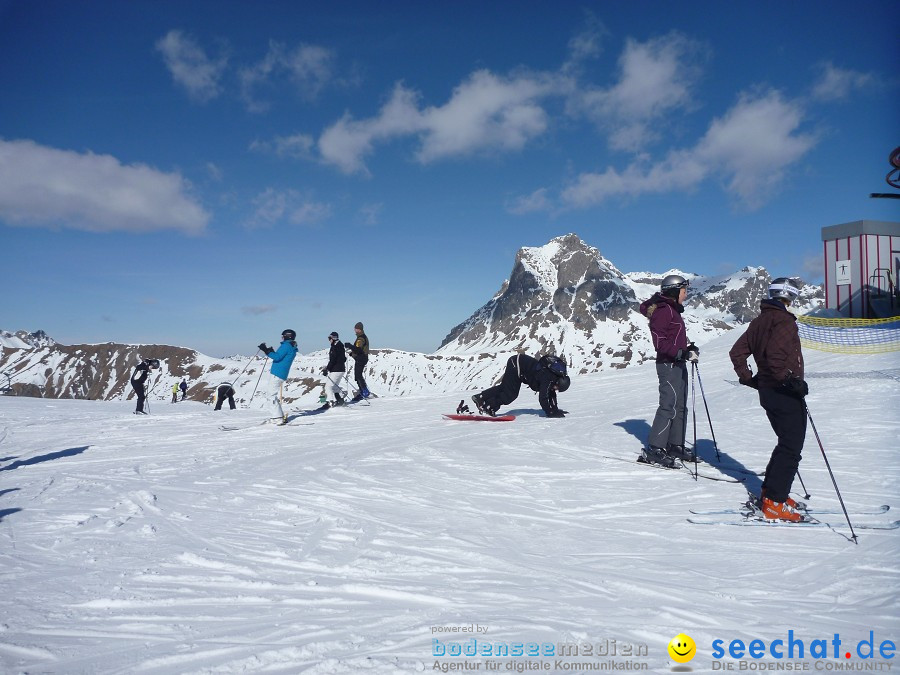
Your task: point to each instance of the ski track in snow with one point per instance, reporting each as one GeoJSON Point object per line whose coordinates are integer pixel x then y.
{"type": "Point", "coordinates": [162, 544]}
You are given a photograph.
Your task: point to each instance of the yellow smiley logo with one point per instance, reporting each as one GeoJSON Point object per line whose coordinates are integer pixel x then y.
{"type": "Point", "coordinates": [682, 648]}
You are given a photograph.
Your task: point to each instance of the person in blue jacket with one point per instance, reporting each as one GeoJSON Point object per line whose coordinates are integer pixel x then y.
{"type": "Point", "coordinates": [282, 358]}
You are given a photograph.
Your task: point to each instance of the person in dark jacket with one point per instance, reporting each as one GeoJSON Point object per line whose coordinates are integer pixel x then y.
{"type": "Point", "coordinates": [183, 386]}
{"type": "Point", "coordinates": [774, 342]}
{"type": "Point", "coordinates": [664, 309]}
{"type": "Point", "coordinates": [225, 391]}
{"type": "Point", "coordinates": [523, 369]}
{"type": "Point", "coordinates": [139, 380]}
{"type": "Point", "coordinates": [335, 370]}
{"type": "Point", "coordinates": [359, 350]}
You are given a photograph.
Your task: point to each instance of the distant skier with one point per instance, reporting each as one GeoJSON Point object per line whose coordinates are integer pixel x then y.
{"type": "Point", "coordinates": [138, 380]}
{"type": "Point", "coordinates": [774, 342]}
{"type": "Point", "coordinates": [225, 391]}
{"type": "Point", "coordinates": [281, 366]}
{"type": "Point", "coordinates": [545, 375]}
{"type": "Point", "coordinates": [335, 371]}
{"type": "Point", "coordinates": [666, 442]}
{"type": "Point", "coordinates": [183, 386]}
{"type": "Point", "coordinates": [175, 393]}
{"type": "Point", "coordinates": [359, 350]}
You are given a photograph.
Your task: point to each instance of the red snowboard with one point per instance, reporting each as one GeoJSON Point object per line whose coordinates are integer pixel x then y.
{"type": "Point", "coordinates": [481, 418]}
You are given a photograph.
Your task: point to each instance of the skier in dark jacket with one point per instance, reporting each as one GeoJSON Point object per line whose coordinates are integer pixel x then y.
{"type": "Point", "coordinates": [225, 391]}
{"type": "Point", "coordinates": [139, 379]}
{"type": "Point", "coordinates": [523, 369]}
{"type": "Point", "coordinates": [183, 386]}
{"type": "Point", "coordinates": [774, 342]}
{"type": "Point", "coordinates": [666, 441]}
{"type": "Point", "coordinates": [359, 350]}
{"type": "Point", "coordinates": [335, 370]}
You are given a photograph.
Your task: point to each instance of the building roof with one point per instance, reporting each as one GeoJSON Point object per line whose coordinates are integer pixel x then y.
{"type": "Point", "coordinates": [858, 227]}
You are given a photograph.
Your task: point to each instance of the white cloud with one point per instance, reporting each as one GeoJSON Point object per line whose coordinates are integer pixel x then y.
{"type": "Point", "coordinates": [836, 83]}
{"type": "Point", "coordinates": [754, 143]}
{"type": "Point", "coordinates": [489, 113]}
{"type": "Point", "coordinates": [215, 171]}
{"type": "Point", "coordinates": [46, 187]}
{"type": "Point", "coordinates": [309, 67]}
{"type": "Point", "coordinates": [655, 78]}
{"type": "Point", "coordinates": [256, 310]}
{"type": "Point", "coordinates": [586, 45]}
{"type": "Point", "coordinates": [370, 214]}
{"type": "Point", "coordinates": [276, 206]}
{"type": "Point", "coordinates": [310, 213]}
{"type": "Point", "coordinates": [348, 141]}
{"type": "Point", "coordinates": [191, 67]}
{"type": "Point", "coordinates": [536, 201]}
{"type": "Point", "coordinates": [298, 146]}
{"type": "Point", "coordinates": [485, 113]}
{"type": "Point", "coordinates": [750, 148]}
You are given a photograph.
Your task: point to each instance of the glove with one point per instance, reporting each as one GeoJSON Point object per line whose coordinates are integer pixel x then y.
{"type": "Point", "coordinates": [796, 387]}
{"type": "Point", "coordinates": [348, 345]}
{"type": "Point", "coordinates": [692, 353]}
{"type": "Point", "coordinates": [325, 371]}
{"type": "Point", "coordinates": [263, 347]}
{"type": "Point", "coordinates": [752, 382]}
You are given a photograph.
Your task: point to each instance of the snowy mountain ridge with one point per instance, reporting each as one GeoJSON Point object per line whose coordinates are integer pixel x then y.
{"type": "Point", "coordinates": [564, 297]}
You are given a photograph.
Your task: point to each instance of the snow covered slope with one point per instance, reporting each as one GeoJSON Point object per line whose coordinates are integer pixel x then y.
{"type": "Point", "coordinates": [348, 542]}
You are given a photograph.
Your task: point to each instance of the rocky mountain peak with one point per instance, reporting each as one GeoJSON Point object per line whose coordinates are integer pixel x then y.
{"type": "Point", "coordinates": [550, 287]}
{"type": "Point", "coordinates": [564, 297]}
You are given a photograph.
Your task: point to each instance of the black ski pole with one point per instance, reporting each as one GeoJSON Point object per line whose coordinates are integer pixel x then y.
{"type": "Point", "coordinates": [806, 494]}
{"type": "Point", "coordinates": [830, 472]}
{"type": "Point", "coordinates": [261, 371]}
{"type": "Point", "coordinates": [711, 430]}
{"type": "Point", "coordinates": [238, 376]}
{"type": "Point", "coordinates": [147, 395]}
{"type": "Point", "coordinates": [694, 415]}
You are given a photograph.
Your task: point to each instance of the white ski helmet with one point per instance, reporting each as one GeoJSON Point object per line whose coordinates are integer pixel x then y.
{"type": "Point", "coordinates": [784, 289]}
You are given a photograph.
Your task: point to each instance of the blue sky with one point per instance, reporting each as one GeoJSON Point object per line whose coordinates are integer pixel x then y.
{"type": "Point", "coordinates": [206, 174]}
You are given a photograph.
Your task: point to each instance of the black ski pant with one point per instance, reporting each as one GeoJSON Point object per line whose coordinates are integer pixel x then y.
{"type": "Point", "coordinates": [358, 367]}
{"type": "Point", "coordinates": [221, 394]}
{"type": "Point", "coordinates": [787, 415]}
{"type": "Point", "coordinates": [141, 397]}
{"type": "Point", "coordinates": [669, 422]}
{"type": "Point", "coordinates": [508, 390]}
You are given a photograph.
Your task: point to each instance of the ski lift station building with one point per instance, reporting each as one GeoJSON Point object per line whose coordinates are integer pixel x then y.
{"type": "Point", "coordinates": [862, 265]}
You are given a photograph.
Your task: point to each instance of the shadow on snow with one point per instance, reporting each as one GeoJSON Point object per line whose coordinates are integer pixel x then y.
{"type": "Point", "coordinates": [69, 452]}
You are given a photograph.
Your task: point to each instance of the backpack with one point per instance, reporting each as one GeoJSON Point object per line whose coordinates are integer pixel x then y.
{"type": "Point", "coordinates": [554, 364]}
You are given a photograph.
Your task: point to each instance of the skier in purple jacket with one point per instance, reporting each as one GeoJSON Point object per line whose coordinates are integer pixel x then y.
{"type": "Point", "coordinates": [666, 442]}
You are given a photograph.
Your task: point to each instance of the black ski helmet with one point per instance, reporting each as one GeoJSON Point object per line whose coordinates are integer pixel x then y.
{"type": "Point", "coordinates": [334, 335]}
{"type": "Point", "coordinates": [784, 289]}
{"type": "Point", "coordinates": [562, 382]}
{"type": "Point", "coordinates": [673, 284]}
{"type": "Point", "coordinates": [288, 334]}
{"type": "Point", "coordinates": [674, 281]}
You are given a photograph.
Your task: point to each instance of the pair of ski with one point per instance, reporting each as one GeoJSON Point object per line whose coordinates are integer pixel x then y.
{"type": "Point", "coordinates": [290, 422]}
{"type": "Point", "coordinates": [688, 468]}
{"type": "Point", "coordinates": [750, 516]}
